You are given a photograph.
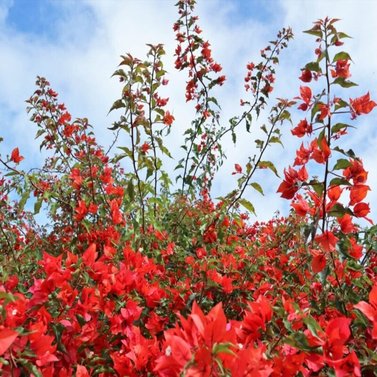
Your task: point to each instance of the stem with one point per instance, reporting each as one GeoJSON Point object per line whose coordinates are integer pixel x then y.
{"type": "Point", "coordinates": [137, 173]}
{"type": "Point", "coordinates": [205, 91]}
{"type": "Point", "coordinates": [152, 137]}
{"type": "Point", "coordinates": [328, 137]}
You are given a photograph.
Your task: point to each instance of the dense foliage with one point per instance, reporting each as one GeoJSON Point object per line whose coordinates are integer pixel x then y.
{"type": "Point", "coordinates": [137, 276]}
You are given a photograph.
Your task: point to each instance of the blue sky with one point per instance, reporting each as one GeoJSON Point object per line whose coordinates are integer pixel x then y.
{"type": "Point", "coordinates": [36, 17]}
{"type": "Point", "coordinates": [76, 45]}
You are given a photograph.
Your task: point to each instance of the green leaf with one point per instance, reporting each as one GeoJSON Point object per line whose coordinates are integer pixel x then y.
{"type": "Point", "coordinates": [234, 137]}
{"type": "Point", "coordinates": [222, 348]}
{"type": "Point", "coordinates": [314, 111]}
{"type": "Point", "coordinates": [259, 143]}
{"type": "Point", "coordinates": [343, 82]}
{"type": "Point", "coordinates": [245, 203]}
{"type": "Point", "coordinates": [11, 174]}
{"type": "Point", "coordinates": [342, 163]}
{"type": "Point", "coordinates": [343, 35]}
{"type": "Point", "coordinates": [349, 153]}
{"type": "Point", "coordinates": [285, 115]}
{"type": "Point", "coordinates": [130, 190]}
{"type": "Point", "coordinates": [37, 206]}
{"type": "Point", "coordinates": [119, 72]}
{"type": "Point", "coordinates": [39, 133]}
{"type": "Point", "coordinates": [299, 340]}
{"type": "Point", "coordinates": [338, 127]}
{"type": "Point", "coordinates": [312, 325]}
{"type": "Point", "coordinates": [257, 187]}
{"type": "Point", "coordinates": [313, 66]}
{"type": "Point", "coordinates": [275, 139]}
{"type": "Point", "coordinates": [117, 105]}
{"type": "Point", "coordinates": [268, 165]}
{"type": "Point", "coordinates": [337, 210]}
{"type": "Point", "coordinates": [214, 100]}
{"type": "Point", "coordinates": [341, 56]}
{"type": "Point", "coordinates": [314, 31]}
{"type": "Point", "coordinates": [341, 104]}
{"type": "Point", "coordinates": [165, 150]}
{"type": "Point", "coordinates": [118, 157]}
{"type": "Point", "coordinates": [22, 202]}
{"type": "Point", "coordinates": [7, 297]}
{"type": "Point", "coordinates": [339, 182]}
{"type": "Point", "coordinates": [149, 173]}
{"type": "Point", "coordinates": [127, 151]}
{"type": "Point", "coordinates": [322, 55]}
{"type": "Point", "coordinates": [317, 187]}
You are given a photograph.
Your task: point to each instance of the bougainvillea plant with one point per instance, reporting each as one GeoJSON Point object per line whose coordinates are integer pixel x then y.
{"type": "Point", "coordinates": [137, 276]}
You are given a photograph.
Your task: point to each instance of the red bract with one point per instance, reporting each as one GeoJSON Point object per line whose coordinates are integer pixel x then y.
{"type": "Point", "coordinates": [327, 241]}
{"type": "Point", "coordinates": [341, 69]}
{"type": "Point", "coordinates": [15, 156]}
{"type": "Point", "coordinates": [168, 119]}
{"type": "Point", "coordinates": [306, 75]}
{"type": "Point", "coordinates": [302, 129]}
{"type": "Point", "coordinates": [362, 105]}
{"type": "Point", "coordinates": [237, 168]}
{"type": "Point", "coordinates": [370, 309]}
{"type": "Point", "coordinates": [305, 96]}
{"type": "Point", "coordinates": [7, 337]}
{"type": "Point", "coordinates": [291, 183]}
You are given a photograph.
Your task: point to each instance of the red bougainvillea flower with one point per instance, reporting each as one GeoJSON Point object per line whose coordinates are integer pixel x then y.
{"type": "Point", "coordinates": [302, 155]}
{"type": "Point", "coordinates": [252, 362]}
{"type": "Point", "coordinates": [356, 172]}
{"type": "Point", "coordinates": [301, 206]}
{"type": "Point", "coordinates": [168, 119]}
{"type": "Point", "coordinates": [346, 224]}
{"type": "Point", "coordinates": [320, 150]}
{"type": "Point", "coordinates": [306, 75]}
{"type": "Point", "coordinates": [355, 250]}
{"type": "Point", "coordinates": [237, 169]}
{"type": "Point", "coordinates": [292, 178]}
{"type": "Point", "coordinates": [342, 69]}
{"type": "Point", "coordinates": [145, 147]}
{"type": "Point", "coordinates": [361, 209]}
{"type": "Point", "coordinates": [195, 339]}
{"type": "Point", "coordinates": [370, 310]}
{"type": "Point", "coordinates": [318, 261]}
{"type": "Point", "coordinates": [7, 337]}
{"type": "Point", "coordinates": [324, 111]}
{"type": "Point", "coordinates": [327, 241]}
{"type": "Point", "coordinates": [334, 193]}
{"type": "Point", "coordinates": [65, 117]}
{"type": "Point", "coordinates": [257, 316]}
{"type": "Point", "coordinates": [302, 129]}
{"type": "Point", "coordinates": [362, 105]}
{"type": "Point", "coordinates": [15, 156]}
{"type": "Point", "coordinates": [305, 95]}
{"type": "Point", "coordinates": [358, 193]}
{"type": "Point", "coordinates": [81, 371]}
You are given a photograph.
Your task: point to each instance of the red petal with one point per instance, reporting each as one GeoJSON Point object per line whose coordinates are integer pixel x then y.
{"type": "Point", "coordinates": [7, 337]}
{"type": "Point", "coordinates": [367, 310]}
